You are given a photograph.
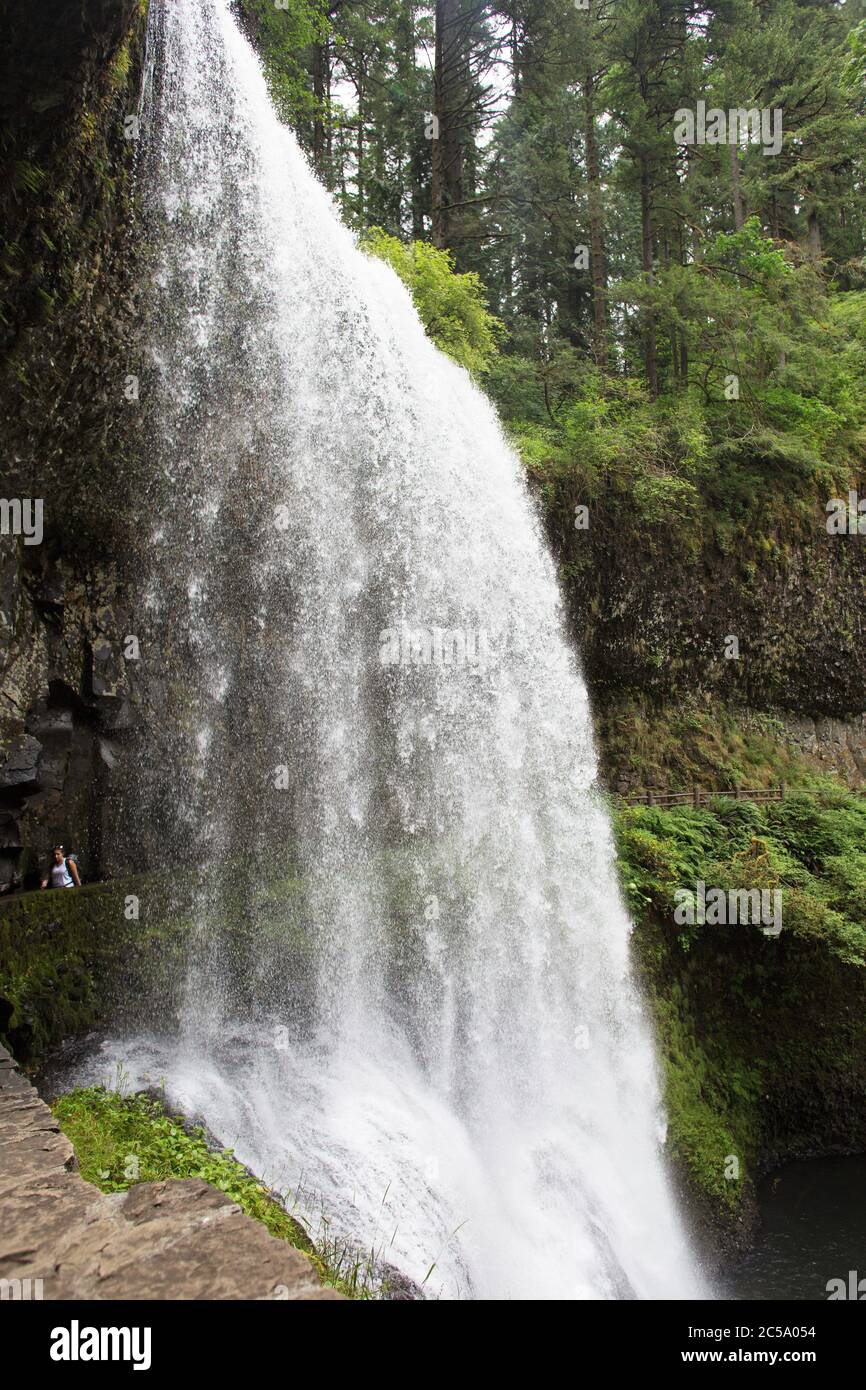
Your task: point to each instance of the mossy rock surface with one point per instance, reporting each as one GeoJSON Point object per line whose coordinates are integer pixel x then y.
{"type": "Point", "coordinates": [762, 1038]}
{"type": "Point", "coordinates": [76, 959]}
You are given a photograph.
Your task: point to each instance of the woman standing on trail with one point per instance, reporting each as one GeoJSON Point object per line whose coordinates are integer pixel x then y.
{"type": "Point", "coordinates": [62, 872]}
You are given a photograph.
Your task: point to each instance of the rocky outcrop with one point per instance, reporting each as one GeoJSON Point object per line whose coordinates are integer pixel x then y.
{"type": "Point", "coordinates": [653, 608]}
{"type": "Point", "coordinates": [159, 1240]}
{"type": "Point", "coordinates": [837, 745]}
{"type": "Point", "coordinates": [70, 77]}
{"type": "Point", "coordinates": [68, 700]}
{"type": "Point", "coordinates": [75, 960]}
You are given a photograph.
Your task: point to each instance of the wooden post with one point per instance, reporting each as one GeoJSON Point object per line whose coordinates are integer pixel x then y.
{"type": "Point", "coordinates": [649, 797]}
{"type": "Point", "coordinates": [697, 797]}
{"type": "Point", "coordinates": [736, 793]}
{"type": "Point", "coordinates": [783, 787]}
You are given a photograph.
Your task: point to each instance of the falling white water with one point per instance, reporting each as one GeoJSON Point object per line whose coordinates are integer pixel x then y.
{"type": "Point", "coordinates": [410, 989]}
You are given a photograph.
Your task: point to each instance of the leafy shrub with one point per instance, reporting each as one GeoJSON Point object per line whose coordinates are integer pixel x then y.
{"type": "Point", "coordinates": [452, 307]}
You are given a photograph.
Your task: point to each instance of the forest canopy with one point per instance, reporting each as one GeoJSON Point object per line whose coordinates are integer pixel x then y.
{"type": "Point", "coordinates": [641, 224]}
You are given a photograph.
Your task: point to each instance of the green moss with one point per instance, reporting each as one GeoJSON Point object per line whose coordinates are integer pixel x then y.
{"type": "Point", "coordinates": [28, 176]}
{"type": "Point", "coordinates": [123, 1139]}
{"type": "Point", "coordinates": [120, 66]}
{"type": "Point", "coordinates": [701, 743]}
{"type": "Point", "coordinates": [74, 960]}
{"type": "Point", "coordinates": [708, 1125]}
{"type": "Point", "coordinates": [762, 1039]}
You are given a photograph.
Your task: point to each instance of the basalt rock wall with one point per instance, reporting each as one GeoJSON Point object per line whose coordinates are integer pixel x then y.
{"type": "Point", "coordinates": [70, 77]}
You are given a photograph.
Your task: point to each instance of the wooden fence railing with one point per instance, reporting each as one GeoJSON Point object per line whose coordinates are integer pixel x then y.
{"type": "Point", "coordinates": [698, 797]}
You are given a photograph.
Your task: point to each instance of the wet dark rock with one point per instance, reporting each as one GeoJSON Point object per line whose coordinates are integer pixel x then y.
{"type": "Point", "coordinates": [398, 1287]}
{"type": "Point", "coordinates": [20, 767]}
{"type": "Point", "coordinates": [50, 721]}
{"type": "Point", "coordinates": [10, 831]}
{"type": "Point", "coordinates": [107, 674]}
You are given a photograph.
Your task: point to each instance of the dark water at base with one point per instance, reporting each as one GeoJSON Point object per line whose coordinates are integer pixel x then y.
{"type": "Point", "coordinates": [814, 1230]}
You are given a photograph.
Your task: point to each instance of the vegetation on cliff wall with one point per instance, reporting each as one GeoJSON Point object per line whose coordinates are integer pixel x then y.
{"type": "Point", "coordinates": [713, 745]}
{"type": "Point", "coordinates": [123, 1138]}
{"type": "Point", "coordinates": [762, 1036]}
{"type": "Point", "coordinates": [67, 266]}
{"type": "Point", "coordinates": [75, 960]}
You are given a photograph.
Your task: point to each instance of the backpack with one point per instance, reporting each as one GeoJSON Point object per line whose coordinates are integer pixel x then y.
{"type": "Point", "coordinates": [72, 859]}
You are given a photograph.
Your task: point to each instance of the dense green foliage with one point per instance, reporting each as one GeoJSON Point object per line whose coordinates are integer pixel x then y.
{"type": "Point", "coordinates": [811, 846]}
{"type": "Point", "coordinates": [761, 1037]}
{"type": "Point", "coordinates": [283, 33]}
{"type": "Point", "coordinates": [122, 1139]}
{"type": "Point", "coordinates": [452, 307]}
{"type": "Point", "coordinates": [684, 322]}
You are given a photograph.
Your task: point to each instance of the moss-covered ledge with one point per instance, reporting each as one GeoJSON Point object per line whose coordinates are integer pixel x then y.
{"type": "Point", "coordinates": [76, 959]}
{"type": "Point", "coordinates": [762, 1038]}
{"type": "Point", "coordinates": [763, 1047]}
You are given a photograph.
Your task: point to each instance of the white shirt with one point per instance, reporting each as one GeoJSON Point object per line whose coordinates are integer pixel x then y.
{"type": "Point", "coordinates": [61, 877]}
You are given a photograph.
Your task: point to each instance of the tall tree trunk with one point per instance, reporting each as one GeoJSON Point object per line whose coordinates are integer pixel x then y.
{"type": "Point", "coordinates": [416, 186]}
{"type": "Point", "coordinates": [649, 324]}
{"type": "Point", "coordinates": [685, 247]}
{"type": "Point", "coordinates": [413, 207]}
{"type": "Point", "coordinates": [507, 276]}
{"type": "Point", "coordinates": [447, 151]}
{"type": "Point", "coordinates": [774, 218]}
{"type": "Point", "coordinates": [359, 142]}
{"type": "Point", "coordinates": [736, 191]}
{"type": "Point", "coordinates": [815, 249]}
{"type": "Point", "coordinates": [596, 228]}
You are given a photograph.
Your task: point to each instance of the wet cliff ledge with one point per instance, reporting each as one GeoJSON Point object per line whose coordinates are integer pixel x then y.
{"type": "Point", "coordinates": [76, 960]}
{"type": "Point", "coordinates": [69, 78]}
{"type": "Point", "coordinates": [159, 1240]}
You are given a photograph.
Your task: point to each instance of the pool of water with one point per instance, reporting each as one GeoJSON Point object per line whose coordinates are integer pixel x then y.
{"type": "Point", "coordinates": [813, 1231]}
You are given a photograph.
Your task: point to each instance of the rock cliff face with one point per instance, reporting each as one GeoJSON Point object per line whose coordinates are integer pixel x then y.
{"type": "Point", "coordinates": [69, 76]}
{"type": "Point", "coordinates": [653, 609]}
{"type": "Point", "coordinates": [67, 704]}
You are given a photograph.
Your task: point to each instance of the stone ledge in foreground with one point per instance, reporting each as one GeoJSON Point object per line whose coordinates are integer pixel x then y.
{"type": "Point", "coordinates": [180, 1239]}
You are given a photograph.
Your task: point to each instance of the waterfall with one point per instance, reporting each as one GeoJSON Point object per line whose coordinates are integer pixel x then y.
{"type": "Point", "coordinates": [409, 988]}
